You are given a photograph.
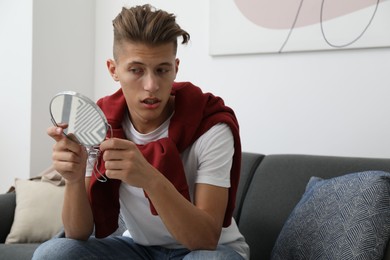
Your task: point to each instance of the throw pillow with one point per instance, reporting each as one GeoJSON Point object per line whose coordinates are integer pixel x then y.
{"type": "Point", "coordinates": [37, 212]}
{"type": "Point", "coordinates": [346, 217]}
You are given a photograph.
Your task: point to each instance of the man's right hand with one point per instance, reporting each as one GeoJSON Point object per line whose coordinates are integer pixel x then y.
{"type": "Point", "coordinates": [69, 157]}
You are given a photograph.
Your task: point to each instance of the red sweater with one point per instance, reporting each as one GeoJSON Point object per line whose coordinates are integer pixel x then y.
{"type": "Point", "coordinates": [195, 113]}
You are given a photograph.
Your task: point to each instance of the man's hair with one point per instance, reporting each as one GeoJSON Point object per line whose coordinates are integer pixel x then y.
{"type": "Point", "coordinates": [148, 25]}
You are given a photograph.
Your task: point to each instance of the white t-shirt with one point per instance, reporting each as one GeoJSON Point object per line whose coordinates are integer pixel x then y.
{"type": "Point", "coordinates": [208, 160]}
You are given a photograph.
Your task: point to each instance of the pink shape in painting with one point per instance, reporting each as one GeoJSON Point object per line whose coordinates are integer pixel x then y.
{"type": "Point", "coordinates": [279, 14]}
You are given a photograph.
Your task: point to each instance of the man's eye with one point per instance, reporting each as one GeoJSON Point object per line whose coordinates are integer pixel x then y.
{"type": "Point", "coordinates": [162, 70]}
{"type": "Point", "coordinates": [136, 70]}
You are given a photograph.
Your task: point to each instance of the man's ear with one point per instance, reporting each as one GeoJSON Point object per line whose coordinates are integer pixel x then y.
{"type": "Point", "coordinates": [111, 66]}
{"type": "Point", "coordinates": [177, 62]}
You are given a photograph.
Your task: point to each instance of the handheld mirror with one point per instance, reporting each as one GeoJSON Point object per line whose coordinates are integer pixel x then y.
{"type": "Point", "coordinates": [85, 120]}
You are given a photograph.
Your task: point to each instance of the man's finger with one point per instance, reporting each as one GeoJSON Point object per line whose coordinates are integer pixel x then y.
{"type": "Point", "coordinates": [73, 138]}
{"type": "Point", "coordinates": [115, 144]}
{"type": "Point", "coordinates": [55, 132]}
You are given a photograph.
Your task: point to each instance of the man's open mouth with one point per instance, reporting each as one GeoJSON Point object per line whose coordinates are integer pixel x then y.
{"type": "Point", "coordinates": [150, 101]}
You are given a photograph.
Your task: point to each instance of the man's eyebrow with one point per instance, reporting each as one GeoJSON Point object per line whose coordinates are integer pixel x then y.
{"type": "Point", "coordinates": [141, 63]}
{"type": "Point", "coordinates": [165, 64]}
{"type": "Point", "coordinates": [135, 63]}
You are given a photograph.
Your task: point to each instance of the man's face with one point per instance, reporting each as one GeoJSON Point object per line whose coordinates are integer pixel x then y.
{"type": "Point", "coordinates": [146, 74]}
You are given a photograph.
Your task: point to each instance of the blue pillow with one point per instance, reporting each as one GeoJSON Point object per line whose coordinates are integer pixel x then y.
{"type": "Point", "coordinates": [346, 217]}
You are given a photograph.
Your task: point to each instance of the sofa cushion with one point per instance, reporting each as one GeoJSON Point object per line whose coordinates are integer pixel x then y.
{"type": "Point", "coordinates": [346, 217]}
{"type": "Point", "coordinates": [17, 251]}
{"type": "Point", "coordinates": [37, 213]}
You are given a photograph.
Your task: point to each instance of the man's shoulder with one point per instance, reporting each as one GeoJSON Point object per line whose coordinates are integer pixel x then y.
{"type": "Point", "coordinates": [117, 96]}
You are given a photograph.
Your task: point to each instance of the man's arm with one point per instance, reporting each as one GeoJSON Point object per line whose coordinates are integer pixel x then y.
{"type": "Point", "coordinates": [69, 159]}
{"type": "Point", "coordinates": [76, 213]}
{"type": "Point", "coordinates": [195, 225]}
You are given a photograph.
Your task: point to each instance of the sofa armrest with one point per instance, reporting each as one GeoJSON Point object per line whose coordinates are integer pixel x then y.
{"type": "Point", "coordinates": [7, 209]}
{"type": "Point", "coordinates": [387, 252]}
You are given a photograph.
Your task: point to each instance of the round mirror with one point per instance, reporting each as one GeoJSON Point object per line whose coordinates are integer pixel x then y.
{"type": "Point", "coordinates": [84, 118]}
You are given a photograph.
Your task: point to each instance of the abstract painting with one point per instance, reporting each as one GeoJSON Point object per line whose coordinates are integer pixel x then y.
{"type": "Point", "coordinates": [276, 26]}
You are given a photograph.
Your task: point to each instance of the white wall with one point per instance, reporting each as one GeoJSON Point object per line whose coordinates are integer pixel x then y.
{"type": "Point", "coordinates": [331, 103]}
{"type": "Point", "coordinates": [15, 90]}
{"type": "Point", "coordinates": [46, 46]}
{"type": "Point", "coordinates": [63, 59]}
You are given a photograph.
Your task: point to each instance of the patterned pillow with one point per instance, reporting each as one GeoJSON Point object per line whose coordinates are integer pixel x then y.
{"type": "Point", "coordinates": [346, 217]}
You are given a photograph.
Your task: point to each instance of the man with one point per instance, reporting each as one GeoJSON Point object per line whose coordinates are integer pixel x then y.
{"type": "Point", "coordinates": [172, 166]}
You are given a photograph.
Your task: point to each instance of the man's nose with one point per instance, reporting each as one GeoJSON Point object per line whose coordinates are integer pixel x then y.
{"type": "Point", "coordinates": [151, 83]}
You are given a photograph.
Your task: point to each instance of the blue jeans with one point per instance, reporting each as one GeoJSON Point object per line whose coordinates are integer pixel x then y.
{"type": "Point", "coordinates": [120, 247]}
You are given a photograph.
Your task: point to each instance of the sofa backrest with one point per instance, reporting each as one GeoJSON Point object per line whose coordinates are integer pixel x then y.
{"type": "Point", "coordinates": [7, 206]}
{"type": "Point", "coordinates": [249, 164]}
{"type": "Point", "coordinates": [277, 186]}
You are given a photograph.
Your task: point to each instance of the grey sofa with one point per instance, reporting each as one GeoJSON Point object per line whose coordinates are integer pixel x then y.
{"type": "Point", "coordinates": [269, 189]}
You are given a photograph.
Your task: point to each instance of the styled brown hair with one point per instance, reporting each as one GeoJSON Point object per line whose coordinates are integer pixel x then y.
{"type": "Point", "coordinates": [148, 25]}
